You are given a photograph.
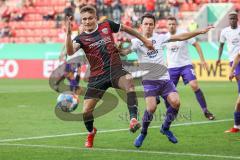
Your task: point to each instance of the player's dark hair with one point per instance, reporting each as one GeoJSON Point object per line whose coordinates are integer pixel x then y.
{"type": "Point", "coordinates": [148, 15]}
{"type": "Point", "coordinates": [171, 18]}
{"type": "Point", "coordinates": [89, 9]}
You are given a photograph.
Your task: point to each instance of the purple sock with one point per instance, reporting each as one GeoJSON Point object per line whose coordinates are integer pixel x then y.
{"type": "Point", "coordinates": [146, 120]}
{"type": "Point", "coordinates": [167, 105]}
{"type": "Point", "coordinates": [201, 100]}
{"type": "Point", "coordinates": [170, 117]}
{"type": "Point", "coordinates": [238, 82]}
{"type": "Point", "coordinates": [237, 118]}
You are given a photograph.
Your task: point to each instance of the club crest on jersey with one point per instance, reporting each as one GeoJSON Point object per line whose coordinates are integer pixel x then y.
{"type": "Point", "coordinates": [105, 30]}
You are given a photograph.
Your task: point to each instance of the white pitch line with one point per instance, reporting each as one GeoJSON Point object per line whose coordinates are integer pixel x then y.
{"type": "Point", "coordinates": [120, 150]}
{"type": "Point", "coordinates": [109, 131]}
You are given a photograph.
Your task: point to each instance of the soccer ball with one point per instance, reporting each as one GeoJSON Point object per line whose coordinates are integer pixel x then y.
{"type": "Point", "coordinates": [67, 102]}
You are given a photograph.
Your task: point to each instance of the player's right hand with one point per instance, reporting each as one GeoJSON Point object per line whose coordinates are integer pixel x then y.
{"type": "Point", "coordinates": [205, 30]}
{"type": "Point", "coordinates": [231, 76]}
{"type": "Point", "coordinates": [68, 24]}
{"type": "Point", "coordinates": [218, 62]}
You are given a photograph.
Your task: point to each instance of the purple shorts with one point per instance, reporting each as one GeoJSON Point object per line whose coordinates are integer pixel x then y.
{"type": "Point", "coordinates": [186, 72]}
{"type": "Point", "coordinates": [158, 88]}
{"type": "Point", "coordinates": [236, 73]}
{"type": "Point", "coordinates": [237, 70]}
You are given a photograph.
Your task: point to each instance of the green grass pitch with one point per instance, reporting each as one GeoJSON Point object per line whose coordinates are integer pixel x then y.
{"type": "Point", "coordinates": [29, 128]}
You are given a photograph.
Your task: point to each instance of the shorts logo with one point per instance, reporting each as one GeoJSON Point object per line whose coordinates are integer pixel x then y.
{"type": "Point", "coordinates": [105, 30]}
{"type": "Point", "coordinates": [193, 72]}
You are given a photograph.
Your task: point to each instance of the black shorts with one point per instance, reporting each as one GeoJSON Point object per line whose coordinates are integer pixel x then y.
{"type": "Point", "coordinates": [99, 84]}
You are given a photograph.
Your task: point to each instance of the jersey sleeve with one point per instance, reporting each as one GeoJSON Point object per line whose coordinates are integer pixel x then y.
{"type": "Point", "coordinates": [222, 37]}
{"type": "Point", "coordinates": [115, 27]}
{"type": "Point", "coordinates": [76, 40]}
{"type": "Point", "coordinates": [164, 38]}
{"type": "Point", "coordinates": [191, 41]}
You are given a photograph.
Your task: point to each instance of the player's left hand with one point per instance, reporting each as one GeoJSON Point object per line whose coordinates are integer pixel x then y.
{"type": "Point", "coordinates": [149, 45]}
{"type": "Point", "coordinates": [231, 76]}
{"type": "Point", "coordinates": [204, 65]}
{"type": "Point", "coordinates": [203, 31]}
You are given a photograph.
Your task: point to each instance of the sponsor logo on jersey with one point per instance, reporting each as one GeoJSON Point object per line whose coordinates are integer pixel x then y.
{"type": "Point", "coordinates": [174, 48]}
{"type": "Point", "coordinates": [89, 39]}
{"type": "Point", "coordinates": [152, 53]}
{"type": "Point", "coordinates": [101, 42]}
{"type": "Point", "coordinates": [105, 30]}
{"type": "Point", "coordinates": [235, 41]}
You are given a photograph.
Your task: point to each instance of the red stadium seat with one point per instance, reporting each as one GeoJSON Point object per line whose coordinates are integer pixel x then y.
{"type": "Point", "coordinates": [59, 9]}
{"type": "Point", "coordinates": [29, 10]}
{"type": "Point", "coordinates": [22, 40]}
{"type": "Point", "coordinates": [38, 33]}
{"type": "Point", "coordinates": [237, 6]}
{"type": "Point", "coordinates": [38, 39]}
{"type": "Point", "coordinates": [184, 7]}
{"type": "Point", "coordinates": [53, 33]}
{"type": "Point", "coordinates": [234, 1]}
{"type": "Point", "coordinates": [48, 24]}
{"type": "Point", "coordinates": [4, 40]}
{"type": "Point", "coordinates": [193, 7]}
{"type": "Point", "coordinates": [33, 17]}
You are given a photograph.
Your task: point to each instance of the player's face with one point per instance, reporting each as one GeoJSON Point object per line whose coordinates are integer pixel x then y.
{"type": "Point", "coordinates": [172, 25]}
{"type": "Point", "coordinates": [233, 20]}
{"type": "Point", "coordinates": [148, 26]}
{"type": "Point", "coordinates": [89, 21]}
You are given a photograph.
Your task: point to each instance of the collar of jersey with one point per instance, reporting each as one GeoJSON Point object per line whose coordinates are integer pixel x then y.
{"type": "Point", "coordinates": [92, 31]}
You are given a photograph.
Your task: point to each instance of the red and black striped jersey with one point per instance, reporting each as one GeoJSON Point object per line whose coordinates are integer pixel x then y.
{"type": "Point", "coordinates": [99, 48]}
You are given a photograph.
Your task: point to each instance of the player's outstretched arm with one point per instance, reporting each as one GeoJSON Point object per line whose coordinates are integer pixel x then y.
{"type": "Point", "coordinates": [220, 50]}
{"type": "Point", "coordinates": [188, 35]}
{"type": "Point", "coordinates": [200, 53]}
{"type": "Point", "coordinates": [69, 45]}
{"type": "Point", "coordinates": [134, 33]}
{"type": "Point", "coordinates": [234, 65]}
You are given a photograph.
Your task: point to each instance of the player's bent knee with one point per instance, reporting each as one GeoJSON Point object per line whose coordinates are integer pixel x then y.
{"type": "Point", "coordinates": [152, 109]}
{"type": "Point", "coordinates": [176, 104]}
{"type": "Point", "coordinates": [130, 87]}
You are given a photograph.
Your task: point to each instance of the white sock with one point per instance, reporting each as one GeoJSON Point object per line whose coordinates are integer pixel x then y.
{"type": "Point", "coordinates": [236, 126]}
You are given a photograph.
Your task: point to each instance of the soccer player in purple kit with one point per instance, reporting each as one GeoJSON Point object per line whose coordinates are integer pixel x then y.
{"type": "Point", "coordinates": [71, 73]}
{"type": "Point", "coordinates": [231, 35]}
{"type": "Point", "coordinates": [157, 81]}
{"type": "Point", "coordinates": [105, 65]}
{"type": "Point", "coordinates": [180, 64]}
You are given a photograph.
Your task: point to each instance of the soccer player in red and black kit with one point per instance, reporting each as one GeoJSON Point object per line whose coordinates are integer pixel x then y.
{"type": "Point", "coordinates": [105, 65]}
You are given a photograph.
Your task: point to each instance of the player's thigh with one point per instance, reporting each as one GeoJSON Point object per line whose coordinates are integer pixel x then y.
{"type": "Point", "coordinates": [173, 99]}
{"type": "Point", "coordinates": [151, 103]}
{"type": "Point", "coordinates": [126, 83]}
{"type": "Point", "coordinates": [174, 75]}
{"type": "Point", "coordinates": [89, 105]}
